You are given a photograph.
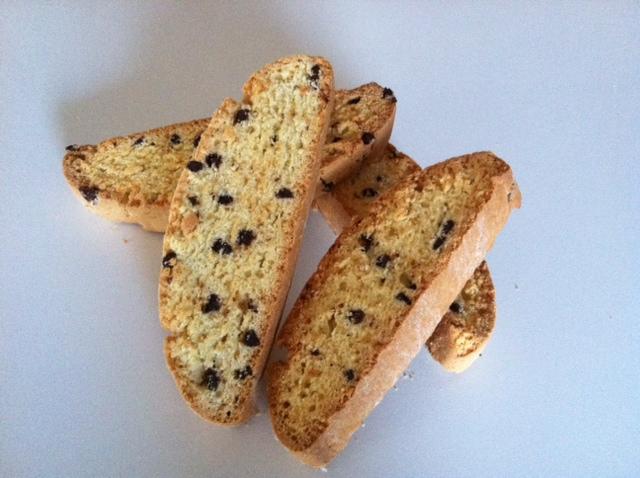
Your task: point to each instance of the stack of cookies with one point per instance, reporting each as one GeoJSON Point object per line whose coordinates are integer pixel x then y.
{"type": "Point", "coordinates": [232, 195]}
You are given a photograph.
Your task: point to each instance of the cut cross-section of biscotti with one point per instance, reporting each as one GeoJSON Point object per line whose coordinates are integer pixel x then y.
{"type": "Point", "coordinates": [236, 220]}
{"type": "Point", "coordinates": [378, 295]}
{"type": "Point", "coordinates": [132, 178]}
{"type": "Point", "coordinates": [466, 328]}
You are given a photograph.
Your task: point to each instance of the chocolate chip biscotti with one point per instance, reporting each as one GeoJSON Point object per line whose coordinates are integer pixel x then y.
{"type": "Point", "coordinates": [466, 328]}
{"type": "Point", "coordinates": [132, 178]}
{"type": "Point", "coordinates": [378, 295]}
{"type": "Point", "coordinates": [235, 226]}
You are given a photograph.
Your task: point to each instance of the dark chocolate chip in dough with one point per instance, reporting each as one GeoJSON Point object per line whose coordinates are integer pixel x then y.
{"type": "Point", "coordinates": [222, 247]}
{"type": "Point", "coordinates": [225, 199]}
{"type": "Point", "coordinates": [169, 260]}
{"type": "Point", "coordinates": [250, 338]}
{"type": "Point", "coordinates": [213, 159]}
{"type": "Point", "coordinates": [213, 304]}
{"type": "Point", "coordinates": [354, 101]}
{"type": "Point", "coordinates": [402, 297]}
{"type": "Point", "coordinates": [89, 193]}
{"type": "Point", "coordinates": [284, 193]}
{"type": "Point", "coordinates": [242, 373]}
{"type": "Point", "coordinates": [355, 316]}
{"type": "Point", "coordinates": [241, 116]}
{"type": "Point", "coordinates": [245, 237]}
{"type": "Point", "coordinates": [367, 138]}
{"type": "Point", "coordinates": [175, 139]}
{"type": "Point", "coordinates": [194, 166]}
{"type": "Point", "coordinates": [210, 379]}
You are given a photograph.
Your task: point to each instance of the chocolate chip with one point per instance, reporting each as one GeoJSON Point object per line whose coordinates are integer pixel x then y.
{"type": "Point", "coordinates": [383, 260]}
{"type": "Point", "coordinates": [365, 242]}
{"type": "Point", "coordinates": [315, 76]}
{"type": "Point", "coordinates": [72, 147]}
{"type": "Point", "coordinates": [194, 166]}
{"type": "Point", "coordinates": [388, 93]}
{"type": "Point", "coordinates": [138, 141]}
{"type": "Point", "coordinates": [315, 352]}
{"type": "Point", "coordinates": [437, 244]}
{"type": "Point", "coordinates": [369, 193]}
{"type": "Point", "coordinates": [241, 115]}
{"type": "Point", "coordinates": [168, 260]}
{"type": "Point", "coordinates": [350, 375]}
{"type": "Point", "coordinates": [274, 139]}
{"type": "Point", "coordinates": [175, 139]}
{"type": "Point", "coordinates": [456, 308]}
{"type": "Point", "coordinates": [213, 304]}
{"type": "Point", "coordinates": [193, 200]}
{"type": "Point", "coordinates": [379, 178]}
{"type": "Point", "coordinates": [355, 316]}
{"type": "Point", "coordinates": [412, 286]}
{"type": "Point", "coordinates": [242, 373]}
{"type": "Point", "coordinates": [250, 338]}
{"type": "Point", "coordinates": [335, 139]}
{"type": "Point", "coordinates": [89, 193]}
{"type": "Point", "coordinates": [210, 379]}
{"type": "Point", "coordinates": [354, 101]}
{"type": "Point", "coordinates": [284, 193]}
{"type": "Point", "coordinates": [368, 138]}
{"type": "Point", "coordinates": [402, 297]}
{"type": "Point", "coordinates": [448, 226]}
{"type": "Point", "coordinates": [245, 237]}
{"type": "Point", "coordinates": [213, 159]}
{"type": "Point", "coordinates": [222, 247]}
{"type": "Point", "coordinates": [225, 199]}
{"type": "Point", "coordinates": [196, 141]}
{"type": "Point", "coordinates": [252, 306]}
{"type": "Point", "coordinates": [327, 186]}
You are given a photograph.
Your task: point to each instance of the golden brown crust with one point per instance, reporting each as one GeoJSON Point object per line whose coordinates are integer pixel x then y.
{"type": "Point", "coordinates": [130, 203]}
{"type": "Point", "coordinates": [436, 292]}
{"type": "Point", "coordinates": [461, 335]}
{"type": "Point", "coordinates": [189, 327]}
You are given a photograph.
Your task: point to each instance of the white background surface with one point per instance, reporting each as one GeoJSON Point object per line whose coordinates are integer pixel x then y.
{"type": "Point", "coordinates": [552, 87]}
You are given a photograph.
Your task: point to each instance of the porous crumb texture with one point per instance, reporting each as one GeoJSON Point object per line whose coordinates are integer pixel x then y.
{"type": "Point", "coordinates": [135, 170]}
{"type": "Point", "coordinates": [130, 178]}
{"type": "Point", "coordinates": [365, 287]}
{"type": "Point", "coordinates": [360, 127]}
{"type": "Point", "coordinates": [234, 229]}
{"type": "Point", "coordinates": [466, 328]}
{"type": "Point", "coordinates": [374, 177]}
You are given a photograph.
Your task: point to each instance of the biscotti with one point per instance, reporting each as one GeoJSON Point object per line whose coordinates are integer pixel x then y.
{"type": "Point", "coordinates": [465, 329]}
{"type": "Point", "coordinates": [378, 295]}
{"type": "Point", "coordinates": [235, 226]}
{"type": "Point", "coordinates": [132, 178]}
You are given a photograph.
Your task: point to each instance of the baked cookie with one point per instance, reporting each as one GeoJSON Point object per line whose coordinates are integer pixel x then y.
{"type": "Point", "coordinates": [378, 295]}
{"type": "Point", "coordinates": [466, 328]}
{"type": "Point", "coordinates": [235, 227]}
{"type": "Point", "coordinates": [132, 178]}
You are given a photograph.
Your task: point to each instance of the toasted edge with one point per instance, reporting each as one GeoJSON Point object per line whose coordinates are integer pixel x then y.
{"type": "Point", "coordinates": [419, 324]}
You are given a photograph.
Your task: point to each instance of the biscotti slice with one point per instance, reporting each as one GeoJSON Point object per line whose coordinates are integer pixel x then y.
{"type": "Point", "coordinates": [378, 295]}
{"type": "Point", "coordinates": [361, 125]}
{"type": "Point", "coordinates": [466, 328]}
{"type": "Point", "coordinates": [132, 178]}
{"type": "Point", "coordinates": [235, 225]}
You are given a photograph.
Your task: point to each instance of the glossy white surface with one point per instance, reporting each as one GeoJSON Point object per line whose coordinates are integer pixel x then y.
{"type": "Point", "coordinates": [553, 88]}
